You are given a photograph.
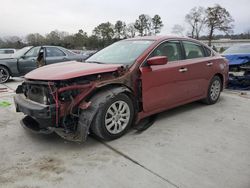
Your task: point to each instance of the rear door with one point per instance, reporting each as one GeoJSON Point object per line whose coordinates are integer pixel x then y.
{"type": "Point", "coordinates": [198, 69]}
{"type": "Point", "coordinates": [54, 55]}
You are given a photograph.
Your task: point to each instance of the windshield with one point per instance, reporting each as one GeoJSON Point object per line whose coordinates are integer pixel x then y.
{"type": "Point", "coordinates": [122, 52]}
{"type": "Point", "coordinates": [238, 49]}
{"type": "Point", "coordinates": [21, 52]}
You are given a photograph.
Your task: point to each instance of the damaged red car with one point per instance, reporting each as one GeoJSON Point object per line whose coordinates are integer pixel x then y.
{"type": "Point", "coordinates": [120, 85]}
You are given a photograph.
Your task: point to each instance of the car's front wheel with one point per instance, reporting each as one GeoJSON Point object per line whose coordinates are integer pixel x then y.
{"type": "Point", "coordinates": [214, 90]}
{"type": "Point", "coordinates": [4, 74]}
{"type": "Point", "coordinates": [113, 118]}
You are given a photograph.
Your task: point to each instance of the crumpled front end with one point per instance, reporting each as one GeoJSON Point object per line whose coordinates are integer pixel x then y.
{"type": "Point", "coordinates": [53, 107]}
{"type": "Point", "coordinates": [239, 75]}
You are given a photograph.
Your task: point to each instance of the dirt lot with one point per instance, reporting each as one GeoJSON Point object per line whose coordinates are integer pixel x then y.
{"type": "Point", "coordinates": [191, 146]}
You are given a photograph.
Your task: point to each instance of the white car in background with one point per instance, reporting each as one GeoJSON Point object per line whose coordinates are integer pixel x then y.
{"type": "Point", "coordinates": [6, 52]}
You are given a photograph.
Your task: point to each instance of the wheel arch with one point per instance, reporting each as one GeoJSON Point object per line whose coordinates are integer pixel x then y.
{"type": "Point", "coordinates": [115, 88]}
{"type": "Point", "coordinates": [2, 65]}
{"type": "Point", "coordinates": [97, 98]}
{"type": "Point", "coordinates": [221, 78]}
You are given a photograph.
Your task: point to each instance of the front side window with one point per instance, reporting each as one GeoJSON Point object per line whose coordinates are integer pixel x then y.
{"type": "Point", "coordinates": [54, 52]}
{"type": "Point", "coordinates": [33, 52]}
{"type": "Point", "coordinates": [193, 50]}
{"type": "Point", "coordinates": [122, 52]}
{"type": "Point", "coordinates": [170, 49]}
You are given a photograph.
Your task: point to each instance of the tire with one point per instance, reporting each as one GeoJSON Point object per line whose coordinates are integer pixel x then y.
{"type": "Point", "coordinates": [214, 91]}
{"type": "Point", "coordinates": [4, 74]}
{"type": "Point", "coordinates": [113, 118]}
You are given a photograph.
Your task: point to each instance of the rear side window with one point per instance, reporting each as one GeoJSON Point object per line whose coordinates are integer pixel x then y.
{"type": "Point", "coordinates": [54, 52]}
{"type": "Point", "coordinates": [193, 50]}
{"type": "Point", "coordinates": [170, 49]}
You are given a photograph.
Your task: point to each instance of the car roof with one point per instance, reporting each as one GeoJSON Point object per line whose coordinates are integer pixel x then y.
{"type": "Point", "coordinates": [51, 46]}
{"type": "Point", "coordinates": [159, 37]}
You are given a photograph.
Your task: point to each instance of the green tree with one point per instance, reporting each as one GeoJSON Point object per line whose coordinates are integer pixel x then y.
{"type": "Point", "coordinates": [1, 43]}
{"type": "Point", "coordinates": [105, 32]}
{"type": "Point", "coordinates": [120, 29]}
{"type": "Point", "coordinates": [218, 18]}
{"type": "Point", "coordinates": [142, 24]}
{"type": "Point", "coordinates": [35, 39]}
{"type": "Point", "coordinates": [53, 38]}
{"type": "Point", "coordinates": [80, 39]}
{"type": "Point", "coordinates": [157, 24]}
{"type": "Point", "coordinates": [13, 42]}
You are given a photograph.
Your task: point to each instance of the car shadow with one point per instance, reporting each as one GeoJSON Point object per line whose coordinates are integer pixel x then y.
{"type": "Point", "coordinates": [93, 141]}
{"type": "Point", "coordinates": [172, 113]}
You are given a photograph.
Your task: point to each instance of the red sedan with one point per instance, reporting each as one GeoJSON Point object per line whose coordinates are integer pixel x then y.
{"type": "Point", "coordinates": [119, 86]}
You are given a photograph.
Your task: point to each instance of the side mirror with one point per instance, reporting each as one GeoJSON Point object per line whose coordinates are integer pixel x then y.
{"type": "Point", "coordinates": [158, 60]}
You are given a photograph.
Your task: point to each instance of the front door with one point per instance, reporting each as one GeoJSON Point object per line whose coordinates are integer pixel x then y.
{"type": "Point", "coordinates": [164, 85]}
{"type": "Point", "coordinates": [28, 61]}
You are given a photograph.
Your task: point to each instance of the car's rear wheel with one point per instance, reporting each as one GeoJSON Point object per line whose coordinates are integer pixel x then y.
{"type": "Point", "coordinates": [214, 90]}
{"type": "Point", "coordinates": [113, 118]}
{"type": "Point", "coordinates": [4, 74]}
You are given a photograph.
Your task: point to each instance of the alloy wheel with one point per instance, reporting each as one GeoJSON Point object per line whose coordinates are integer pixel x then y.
{"type": "Point", "coordinates": [215, 90]}
{"type": "Point", "coordinates": [117, 117]}
{"type": "Point", "coordinates": [4, 75]}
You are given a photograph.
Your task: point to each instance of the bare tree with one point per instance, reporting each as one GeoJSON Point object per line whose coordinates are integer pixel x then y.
{"type": "Point", "coordinates": [178, 30]}
{"type": "Point", "coordinates": [196, 20]}
{"type": "Point", "coordinates": [218, 18]}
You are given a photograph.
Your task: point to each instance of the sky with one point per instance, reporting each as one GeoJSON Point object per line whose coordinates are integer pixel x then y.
{"type": "Point", "coordinates": [21, 17]}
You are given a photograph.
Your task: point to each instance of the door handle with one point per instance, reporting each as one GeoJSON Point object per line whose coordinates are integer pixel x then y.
{"type": "Point", "coordinates": [209, 64]}
{"type": "Point", "coordinates": [183, 70]}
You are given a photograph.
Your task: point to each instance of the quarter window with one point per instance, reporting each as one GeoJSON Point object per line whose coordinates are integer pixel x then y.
{"type": "Point", "coordinates": [54, 52]}
{"type": "Point", "coordinates": [193, 50]}
{"type": "Point", "coordinates": [170, 49]}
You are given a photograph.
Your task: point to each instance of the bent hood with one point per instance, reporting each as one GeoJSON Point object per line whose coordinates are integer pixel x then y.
{"type": "Point", "coordinates": [237, 59]}
{"type": "Point", "coordinates": [70, 69]}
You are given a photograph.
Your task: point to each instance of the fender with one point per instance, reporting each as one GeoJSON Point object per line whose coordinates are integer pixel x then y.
{"type": "Point", "coordinates": [11, 64]}
{"type": "Point", "coordinates": [87, 115]}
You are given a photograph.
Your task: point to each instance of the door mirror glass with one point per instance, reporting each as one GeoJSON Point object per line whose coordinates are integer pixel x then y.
{"type": "Point", "coordinates": [158, 60]}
